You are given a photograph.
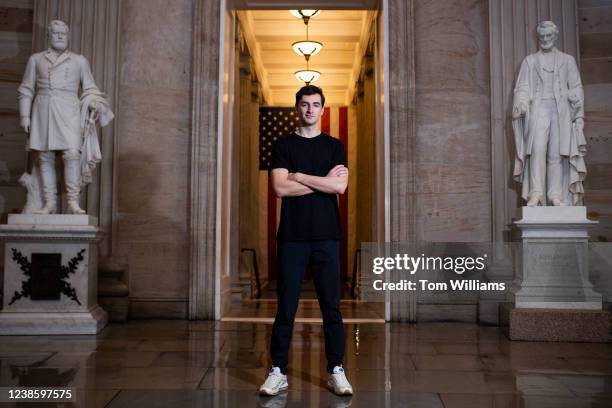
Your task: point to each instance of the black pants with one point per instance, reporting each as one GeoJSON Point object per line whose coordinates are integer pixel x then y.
{"type": "Point", "coordinates": [293, 259]}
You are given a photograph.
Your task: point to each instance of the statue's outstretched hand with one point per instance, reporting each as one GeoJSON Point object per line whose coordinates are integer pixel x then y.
{"type": "Point", "coordinates": [25, 124]}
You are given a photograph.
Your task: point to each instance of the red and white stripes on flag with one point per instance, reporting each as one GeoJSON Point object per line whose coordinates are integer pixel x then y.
{"type": "Point", "coordinates": [335, 123]}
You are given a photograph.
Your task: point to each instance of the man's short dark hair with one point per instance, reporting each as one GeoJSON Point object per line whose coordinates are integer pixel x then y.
{"type": "Point", "coordinates": [309, 90]}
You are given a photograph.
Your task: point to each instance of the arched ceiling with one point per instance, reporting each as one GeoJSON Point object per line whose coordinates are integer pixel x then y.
{"type": "Point", "coordinates": [270, 33]}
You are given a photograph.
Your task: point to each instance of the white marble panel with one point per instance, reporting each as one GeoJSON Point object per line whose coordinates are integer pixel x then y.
{"type": "Point", "coordinates": [552, 270]}
{"type": "Point", "coordinates": [13, 277]}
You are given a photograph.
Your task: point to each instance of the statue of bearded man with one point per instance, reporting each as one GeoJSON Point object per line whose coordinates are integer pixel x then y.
{"type": "Point", "coordinates": [57, 120]}
{"type": "Point", "coordinates": [548, 122]}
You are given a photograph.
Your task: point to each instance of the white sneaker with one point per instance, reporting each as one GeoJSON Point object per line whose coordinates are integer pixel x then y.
{"type": "Point", "coordinates": [275, 383]}
{"type": "Point", "coordinates": [338, 383]}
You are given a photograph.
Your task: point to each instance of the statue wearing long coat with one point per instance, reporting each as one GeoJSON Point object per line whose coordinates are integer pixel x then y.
{"type": "Point", "coordinates": [54, 87]}
{"type": "Point", "coordinates": [569, 97]}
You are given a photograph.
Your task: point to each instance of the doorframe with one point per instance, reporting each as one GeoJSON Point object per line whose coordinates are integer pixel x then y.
{"type": "Point", "coordinates": [208, 254]}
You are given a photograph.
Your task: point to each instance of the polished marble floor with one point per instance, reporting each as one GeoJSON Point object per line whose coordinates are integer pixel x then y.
{"type": "Point", "coordinates": [206, 364]}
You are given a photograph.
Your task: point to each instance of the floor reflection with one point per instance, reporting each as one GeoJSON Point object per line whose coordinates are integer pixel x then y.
{"type": "Point", "coordinates": [201, 364]}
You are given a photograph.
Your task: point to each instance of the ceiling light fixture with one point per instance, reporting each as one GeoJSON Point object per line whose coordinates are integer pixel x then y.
{"type": "Point", "coordinates": [307, 76]}
{"type": "Point", "coordinates": [305, 14]}
{"type": "Point", "coordinates": [307, 48]}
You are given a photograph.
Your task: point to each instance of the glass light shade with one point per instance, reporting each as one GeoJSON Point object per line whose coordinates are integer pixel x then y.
{"type": "Point", "coordinates": [307, 75]}
{"type": "Point", "coordinates": [307, 48]}
{"type": "Point", "coordinates": [304, 13]}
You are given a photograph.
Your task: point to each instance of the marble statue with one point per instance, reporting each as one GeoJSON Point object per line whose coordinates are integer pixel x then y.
{"type": "Point", "coordinates": [548, 122]}
{"type": "Point", "coordinates": [57, 120]}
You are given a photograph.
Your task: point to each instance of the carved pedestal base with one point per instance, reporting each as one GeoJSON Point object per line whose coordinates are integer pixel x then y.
{"type": "Point", "coordinates": [552, 270]}
{"type": "Point", "coordinates": [553, 298]}
{"type": "Point", "coordinates": [50, 275]}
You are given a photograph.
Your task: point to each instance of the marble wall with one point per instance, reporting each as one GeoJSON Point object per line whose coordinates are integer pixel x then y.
{"type": "Point", "coordinates": [439, 137]}
{"type": "Point", "coordinates": [452, 151]}
{"type": "Point", "coordinates": [16, 19]}
{"type": "Point", "coordinates": [153, 155]}
{"type": "Point", "coordinates": [452, 186]}
{"type": "Point", "coordinates": [595, 30]}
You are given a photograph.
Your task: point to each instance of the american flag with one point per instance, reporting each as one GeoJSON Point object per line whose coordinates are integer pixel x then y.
{"type": "Point", "coordinates": [273, 124]}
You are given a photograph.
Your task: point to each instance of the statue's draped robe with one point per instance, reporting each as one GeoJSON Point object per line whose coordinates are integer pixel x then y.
{"type": "Point", "coordinates": [568, 93]}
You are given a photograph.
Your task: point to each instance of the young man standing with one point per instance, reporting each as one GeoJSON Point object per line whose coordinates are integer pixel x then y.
{"type": "Point", "coordinates": [308, 169]}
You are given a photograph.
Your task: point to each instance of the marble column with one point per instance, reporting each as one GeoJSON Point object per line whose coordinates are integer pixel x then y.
{"type": "Point", "coordinates": [402, 136]}
{"type": "Point", "coordinates": [203, 171]}
{"type": "Point", "coordinates": [438, 96]}
{"type": "Point", "coordinates": [153, 162]}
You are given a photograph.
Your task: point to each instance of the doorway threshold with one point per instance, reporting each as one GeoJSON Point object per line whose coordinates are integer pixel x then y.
{"type": "Point", "coordinates": [308, 311]}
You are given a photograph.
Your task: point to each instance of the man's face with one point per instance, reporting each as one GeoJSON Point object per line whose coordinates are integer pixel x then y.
{"type": "Point", "coordinates": [310, 109]}
{"type": "Point", "coordinates": [547, 38]}
{"type": "Point", "coordinates": [58, 37]}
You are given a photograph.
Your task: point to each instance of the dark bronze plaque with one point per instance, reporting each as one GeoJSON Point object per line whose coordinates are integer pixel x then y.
{"type": "Point", "coordinates": [45, 281]}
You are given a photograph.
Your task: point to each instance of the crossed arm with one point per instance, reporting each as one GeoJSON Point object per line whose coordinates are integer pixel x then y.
{"type": "Point", "coordinates": [287, 184]}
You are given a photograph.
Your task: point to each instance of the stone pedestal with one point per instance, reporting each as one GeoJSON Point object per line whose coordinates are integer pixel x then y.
{"type": "Point", "coordinates": [552, 265]}
{"type": "Point", "coordinates": [553, 298]}
{"type": "Point", "coordinates": [29, 241]}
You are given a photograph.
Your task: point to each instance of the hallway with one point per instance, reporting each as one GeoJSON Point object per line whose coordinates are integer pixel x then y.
{"type": "Point", "coordinates": [165, 363]}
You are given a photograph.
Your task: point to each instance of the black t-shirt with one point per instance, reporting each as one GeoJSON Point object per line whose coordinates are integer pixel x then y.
{"type": "Point", "coordinates": [316, 215]}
